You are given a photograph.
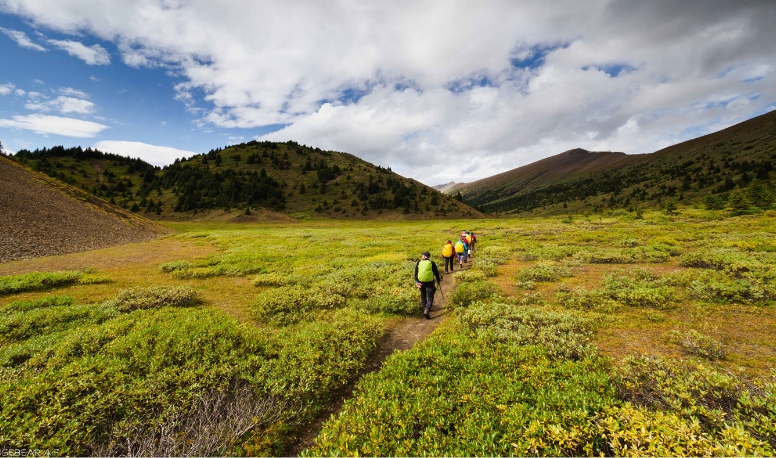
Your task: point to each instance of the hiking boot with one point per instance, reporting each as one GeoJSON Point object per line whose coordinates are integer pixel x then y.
{"type": "Point", "coordinates": [427, 315]}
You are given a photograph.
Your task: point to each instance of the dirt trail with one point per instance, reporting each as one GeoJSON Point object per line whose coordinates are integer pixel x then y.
{"type": "Point", "coordinates": [399, 337]}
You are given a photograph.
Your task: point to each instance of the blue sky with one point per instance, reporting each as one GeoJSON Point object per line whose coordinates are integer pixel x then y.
{"type": "Point", "coordinates": [438, 91]}
{"type": "Point", "coordinates": [135, 104]}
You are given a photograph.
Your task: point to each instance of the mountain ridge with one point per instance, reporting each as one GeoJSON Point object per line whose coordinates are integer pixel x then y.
{"type": "Point", "coordinates": [580, 180]}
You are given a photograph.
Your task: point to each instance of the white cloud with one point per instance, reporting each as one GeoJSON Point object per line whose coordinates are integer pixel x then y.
{"type": "Point", "coordinates": [22, 39]}
{"type": "Point", "coordinates": [61, 104]}
{"type": "Point", "coordinates": [153, 154]}
{"type": "Point", "coordinates": [44, 124]}
{"type": "Point", "coordinates": [448, 86]}
{"type": "Point", "coordinates": [19, 92]}
{"type": "Point", "coordinates": [6, 89]}
{"type": "Point", "coordinates": [70, 92]}
{"type": "Point", "coordinates": [92, 55]}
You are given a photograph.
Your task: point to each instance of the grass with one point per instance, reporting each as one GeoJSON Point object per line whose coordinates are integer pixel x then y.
{"type": "Point", "coordinates": [296, 309]}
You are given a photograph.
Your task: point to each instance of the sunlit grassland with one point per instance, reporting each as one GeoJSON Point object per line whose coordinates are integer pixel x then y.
{"type": "Point", "coordinates": [538, 357]}
{"type": "Point", "coordinates": [681, 309]}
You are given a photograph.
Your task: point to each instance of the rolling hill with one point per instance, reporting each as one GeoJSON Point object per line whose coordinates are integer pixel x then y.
{"type": "Point", "coordinates": [230, 182]}
{"type": "Point", "coordinates": [40, 216]}
{"type": "Point", "coordinates": [703, 170]}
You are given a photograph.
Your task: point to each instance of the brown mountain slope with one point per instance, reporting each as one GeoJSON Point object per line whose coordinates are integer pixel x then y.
{"type": "Point", "coordinates": [41, 216]}
{"type": "Point", "coordinates": [541, 173]}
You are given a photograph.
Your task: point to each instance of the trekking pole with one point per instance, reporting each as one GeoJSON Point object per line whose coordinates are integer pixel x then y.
{"type": "Point", "coordinates": [440, 290]}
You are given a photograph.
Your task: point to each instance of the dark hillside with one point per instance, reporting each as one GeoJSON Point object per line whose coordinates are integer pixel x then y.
{"type": "Point", "coordinates": [702, 171]}
{"type": "Point", "coordinates": [282, 177]}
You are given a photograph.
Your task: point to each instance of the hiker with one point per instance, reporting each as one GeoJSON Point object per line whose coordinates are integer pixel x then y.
{"type": "Point", "coordinates": [449, 255]}
{"type": "Point", "coordinates": [460, 250]}
{"type": "Point", "coordinates": [470, 248]}
{"type": "Point", "coordinates": [425, 272]}
{"type": "Point", "coordinates": [473, 242]}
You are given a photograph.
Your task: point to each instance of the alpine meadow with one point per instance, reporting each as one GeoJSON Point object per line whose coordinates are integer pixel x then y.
{"type": "Point", "coordinates": [604, 334]}
{"type": "Point", "coordinates": [389, 229]}
{"type": "Point", "coordinates": [255, 317]}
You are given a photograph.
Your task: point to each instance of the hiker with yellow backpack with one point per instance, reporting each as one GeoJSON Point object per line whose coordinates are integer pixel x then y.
{"type": "Point", "coordinates": [449, 255]}
{"type": "Point", "coordinates": [461, 250]}
{"type": "Point", "coordinates": [426, 272]}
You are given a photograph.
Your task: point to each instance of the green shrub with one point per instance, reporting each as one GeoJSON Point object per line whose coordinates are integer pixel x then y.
{"type": "Point", "coordinates": [139, 298]}
{"type": "Point", "coordinates": [649, 253]}
{"type": "Point", "coordinates": [639, 288]}
{"type": "Point", "coordinates": [272, 279]}
{"type": "Point", "coordinates": [726, 290]}
{"type": "Point", "coordinates": [605, 256]}
{"type": "Point", "coordinates": [526, 284]}
{"type": "Point", "coordinates": [467, 293]}
{"type": "Point", "coordinates": [636, 431]}
{"type": "Point", "coordinates": [287, 304]}
{"type": "Point", "coordinates": [582, 299]}
{"type": "Point", "coordinates": [94, 280]}
{"type": "Point", "coordinates": [19, 326]}
{"type": "Point", "coordinates": [720, 259]}
{"type": "Point", "coordinates": [547, 271]}
{"type": "Point", "coordinates": [464, 276]}
{"type": "Point", "coordinates": [48, 301]}
{"type": "Point", "coordinates": [733, 413]}
{"type": "Point", "coordinates": [172, 266]}
{"type": "Point", "coordinates": [233, 264]}
{"type": "Point", "coordinates": [37, 281]}
{"type": "Point", "coordinates": [563, 335]}
{"type": "Point", "coordinates": [397, 300]}
{"type": "Point", "coordinates": [195, 272]}
{"type": "Point", "coordinates": [548, 252]}
{"type": "Point", "coordinates": [695, 343]}
{"type": "Point", "coordinates": [486, 266]}
{"type": "Point", "coordinates": [496, 253]}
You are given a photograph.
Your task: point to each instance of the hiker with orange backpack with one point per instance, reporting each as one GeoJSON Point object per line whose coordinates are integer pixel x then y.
{"type": "Point", "coordinates": [426, 272]}
{"type": "Point", "coordinates": [449, 255]}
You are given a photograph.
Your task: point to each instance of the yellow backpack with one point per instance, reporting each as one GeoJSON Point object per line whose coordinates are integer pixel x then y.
{"type": "Point", "coordinates": [447, 250]}
{"type": "Point", "coordinates": [459, 247]}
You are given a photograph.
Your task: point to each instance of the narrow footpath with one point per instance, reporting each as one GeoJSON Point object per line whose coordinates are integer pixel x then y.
{"type": "Point", "coordinates": [399, 337]}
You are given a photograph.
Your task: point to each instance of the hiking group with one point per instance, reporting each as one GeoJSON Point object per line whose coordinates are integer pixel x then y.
{"type": "Point", "coordinates": [427, 274]}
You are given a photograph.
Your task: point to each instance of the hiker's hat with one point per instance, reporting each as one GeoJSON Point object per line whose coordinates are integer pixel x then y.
{"type": "Point", "coordinates": [426, 254]}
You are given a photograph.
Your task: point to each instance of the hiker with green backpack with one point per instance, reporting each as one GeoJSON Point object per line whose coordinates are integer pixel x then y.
{"type": "Point", "coordinates": [426, 271]}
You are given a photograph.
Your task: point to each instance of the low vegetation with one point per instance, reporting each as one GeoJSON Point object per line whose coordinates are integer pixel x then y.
{"type": "Point", "coordinates": [663, 349]}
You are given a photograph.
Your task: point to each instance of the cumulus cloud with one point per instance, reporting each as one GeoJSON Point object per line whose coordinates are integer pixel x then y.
{"type": "Point", "coordinates": [153, 154]}
{"type": "Point", "coordinates": [6, 89]}
{"type": "Point", "coordinates": [22, 39]}
{"type": "Point", "coordinates": [92, 55]}
{"type": "Point", "coordinates": [61, 104]}
{"type": "Point", "coordinates": [45, 124]}
{"type": "Point", "coordinates": [434, 89]}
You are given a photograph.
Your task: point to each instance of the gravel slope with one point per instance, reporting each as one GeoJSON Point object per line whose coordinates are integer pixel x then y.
{"type": "Point", "coordinates": [40, 216]}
